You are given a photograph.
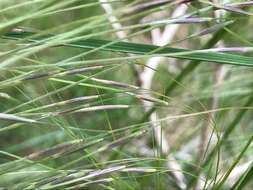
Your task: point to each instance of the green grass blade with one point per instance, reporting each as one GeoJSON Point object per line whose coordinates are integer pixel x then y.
{"type": "Point", "coordinates": [144, 49]}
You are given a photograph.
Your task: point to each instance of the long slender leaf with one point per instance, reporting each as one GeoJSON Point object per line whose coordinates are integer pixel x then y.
{"type": "Point", "coordinates": [143, 49]}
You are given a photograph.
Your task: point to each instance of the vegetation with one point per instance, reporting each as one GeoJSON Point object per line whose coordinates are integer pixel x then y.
{"type": "Point", "coordinates": [126, 94]}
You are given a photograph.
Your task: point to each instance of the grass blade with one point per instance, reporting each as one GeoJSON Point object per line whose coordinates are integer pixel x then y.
{"type": "Point", "coordinates": [143, 49]}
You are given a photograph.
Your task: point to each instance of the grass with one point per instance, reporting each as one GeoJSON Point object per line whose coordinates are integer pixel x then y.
{"type": "Point", "coordinates": [86, 104]}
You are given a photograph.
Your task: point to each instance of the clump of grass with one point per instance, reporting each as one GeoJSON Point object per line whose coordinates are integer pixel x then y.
{"type": "Point", "coordinates": [133, 94]}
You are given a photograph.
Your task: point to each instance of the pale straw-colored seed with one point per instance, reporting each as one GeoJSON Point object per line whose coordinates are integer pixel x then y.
{"type": "Point", "coordinates": [73, 100]}
{"type": "Point", "coordinates": [141, 170]}
{"type": "Point", "coordinates": [148, 98]}
{"type": "Point", "coordinates": [214, 28]}
{"type": "Point", "coordinates": [11, 117]}
{"type": "Point", "coordinates": [104, 107]}
{"type": "Point", "coordinates": [114, 83]}
{"type": "Point", "coordinates": [189, 20]}
{"type": "Point", "coordinates": [92, 174]}
{"type": "Point", "coordinates": [62, 73]}
{"type": "Point", "coordinates": [233, 9]}
{"type": "Point", "coordinates": [242, 4]}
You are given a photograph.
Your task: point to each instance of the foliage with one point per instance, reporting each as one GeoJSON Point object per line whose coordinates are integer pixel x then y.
{"type": "Point", "coordinates": [77, 111]}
